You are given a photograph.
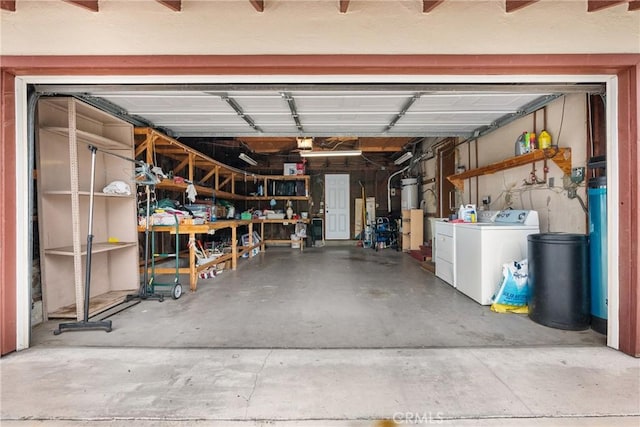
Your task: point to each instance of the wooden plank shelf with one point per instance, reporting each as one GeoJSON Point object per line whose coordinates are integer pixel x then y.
{"type": "Point", "coordinates": [87, 194]}
{"type": "Point", "coordinates": [89, 138]}
{"type": "Point", "coordinates": [283, 221]}
{"type": "Point", "coordinates": [97, 304]}
{"type": "Point", "coordinates": [267, 198]}
{"type": "Point", "coordinates": [169, 185]}
{"type": "Point", "coordinates": [97, 247]}
{"type": "Point", "coordinates": [560, 156]}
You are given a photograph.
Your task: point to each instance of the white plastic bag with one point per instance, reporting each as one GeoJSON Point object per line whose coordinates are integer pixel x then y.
{"type": "Point", "coordinates": [513, 291]}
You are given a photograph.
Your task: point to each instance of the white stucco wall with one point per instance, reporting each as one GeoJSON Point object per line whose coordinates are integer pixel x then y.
{"type": "Point", "coordinates": [316, 27]}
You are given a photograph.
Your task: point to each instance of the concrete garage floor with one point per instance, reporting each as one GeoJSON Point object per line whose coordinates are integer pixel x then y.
{"type": "Point", "coordinates": [329, 337]}
{"type": "Point", "coordinates": [332, 297]}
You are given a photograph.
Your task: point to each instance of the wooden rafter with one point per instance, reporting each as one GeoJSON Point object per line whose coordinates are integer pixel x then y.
{"type": "Point", "coordinates": [9, 5]}
{"type": "Point", "coordinates": [595, 5]}
{"type": "Point", "coordinates": [183, 164]}
{"type": "Point", "coordinates": [91, 5]}
{"type": "Point", "coordinates": [258, 5]}
{"type": "Point", "coordinates": [140, 149]}
{"type": "Point", "coordinates": [513, 5]}
{"type": "Point", "coordinates": [175, 5]}
{"type": "Point", "coordinates": [209, 174]}
{"type": "Point", "coordinates": [634, 5]}
{"type": "Point", "coordinates": [344, 5]}
{"type": "Point", "coordinates": [429, 5]}
{"type": "Point", "coordinates": [269, 145]}
{"type": "Point", "coordinates": [226, 181]}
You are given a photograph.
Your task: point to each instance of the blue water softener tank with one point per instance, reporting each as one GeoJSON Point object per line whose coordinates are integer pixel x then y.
{"type": "Point", "coordinates": [598, 245]}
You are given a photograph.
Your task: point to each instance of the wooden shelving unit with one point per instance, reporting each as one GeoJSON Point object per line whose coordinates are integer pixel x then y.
{"type": "Point", "coordinates": [560, 156]}
{"type": "Point", "coordinates": [212, 178]}
{"type": "Point", "coordinates": [66, 128]}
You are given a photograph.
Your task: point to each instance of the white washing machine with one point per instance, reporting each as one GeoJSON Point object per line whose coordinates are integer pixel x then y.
{"type": "Point", "coordinates": [482, 249]}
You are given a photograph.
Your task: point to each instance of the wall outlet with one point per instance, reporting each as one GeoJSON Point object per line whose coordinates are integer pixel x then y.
{"type": "Point", "coordinates": [486, 200]}
{"type": "Point", "coordinates": [552, 182]}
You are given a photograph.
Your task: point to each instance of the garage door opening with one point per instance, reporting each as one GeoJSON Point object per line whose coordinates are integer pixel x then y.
{"type": "Point", "coordinates": [348, 296]}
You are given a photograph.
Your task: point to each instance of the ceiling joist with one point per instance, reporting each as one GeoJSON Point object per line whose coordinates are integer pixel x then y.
{"type": "Point", "coordinates": [91, 5]}
{"type": "Point", "coordinates": [9, 5]}
{"type": "Point", "coordinates": [429, 5]}
{"type": "Point", "coordinates": [258, 5]}
{"type": "Point", "coordinates": [513, 5]}
{"type": "Point", "coordinates": [269, 145]}
{"type": "Point", "coordinates": [175, 5]}
{"type": "Point", "coordinates": [596, 5]}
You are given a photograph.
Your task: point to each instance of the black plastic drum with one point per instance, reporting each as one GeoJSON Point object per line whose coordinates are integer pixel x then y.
{"type": "Point", "coordinates": [559, 280]}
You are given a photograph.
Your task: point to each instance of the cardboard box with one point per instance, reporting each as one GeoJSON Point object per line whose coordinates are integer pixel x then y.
{"type": "Point", "coordinates": [293, 169]}
{"type": "Point", "coordinates": [289, 169]}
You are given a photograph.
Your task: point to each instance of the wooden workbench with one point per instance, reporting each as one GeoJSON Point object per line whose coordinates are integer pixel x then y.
{"type": "Point", "coordinates": [191, 230]}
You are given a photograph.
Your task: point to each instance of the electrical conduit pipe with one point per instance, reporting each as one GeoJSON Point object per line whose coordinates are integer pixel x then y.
{"type": "Point", "coordinates": [389, 186]}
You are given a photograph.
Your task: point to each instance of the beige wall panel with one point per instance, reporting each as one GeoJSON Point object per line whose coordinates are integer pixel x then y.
{"type": "Point", "coordinates": [316, 27]}
{"type": "Point", "coordinates": [507, 189]}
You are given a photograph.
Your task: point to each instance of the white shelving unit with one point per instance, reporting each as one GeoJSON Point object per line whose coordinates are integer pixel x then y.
{"type": "Point", "coordinates": [66, 129]}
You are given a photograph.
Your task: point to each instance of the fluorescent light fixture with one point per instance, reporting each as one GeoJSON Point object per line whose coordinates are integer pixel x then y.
{"type": "Point", "coordinates": [406, 156]}
{"type": "Point", "coordinates": [247, 159]}
{"type": "Point", "coordinates": [327, 153]}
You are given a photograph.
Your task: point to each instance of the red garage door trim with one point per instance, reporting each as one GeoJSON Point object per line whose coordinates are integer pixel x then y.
{"type": "Point", "coordinates": [320, 64]}
{"type": "Point", "coordinates": [7, 221]}
{"type": "Point", "coordinates": [625, 66]}
{"type": "Point", "coordinates": [628, 203]}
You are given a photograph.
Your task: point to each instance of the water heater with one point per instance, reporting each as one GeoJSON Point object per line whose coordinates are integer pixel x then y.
{"type": "Point", "coordinates": [409, 196]}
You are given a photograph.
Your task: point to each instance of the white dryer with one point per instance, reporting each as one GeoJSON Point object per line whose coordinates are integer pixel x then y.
{"type": "Point", "coordinates": [445, 251]}
{"type": "Point", "coordinates": [445, 244]}
{"type": "Point", "coordinates": [482, 249]}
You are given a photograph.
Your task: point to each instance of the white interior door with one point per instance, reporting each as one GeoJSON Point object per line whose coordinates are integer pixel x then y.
{"type": "Point", "coordinates": [336, 205]}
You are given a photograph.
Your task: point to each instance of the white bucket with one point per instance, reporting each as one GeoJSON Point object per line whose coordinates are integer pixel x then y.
{"type": "Point", "coordinates": [295, 241]}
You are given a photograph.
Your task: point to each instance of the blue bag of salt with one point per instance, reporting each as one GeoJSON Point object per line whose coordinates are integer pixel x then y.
{"type": "Point", "coordinates": [513, 290]}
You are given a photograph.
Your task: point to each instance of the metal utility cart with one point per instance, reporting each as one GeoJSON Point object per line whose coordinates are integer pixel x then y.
{"type": "Point", "coordinates": [176, 287]}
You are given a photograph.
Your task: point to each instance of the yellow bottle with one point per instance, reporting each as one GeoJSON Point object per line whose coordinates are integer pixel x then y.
{"type": "Point", "coordinates": [544, 140]}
